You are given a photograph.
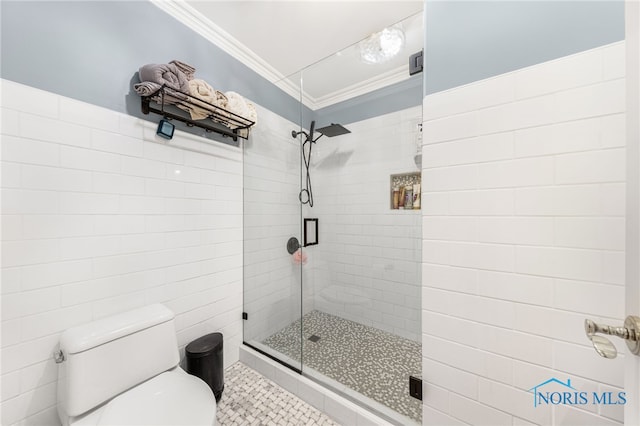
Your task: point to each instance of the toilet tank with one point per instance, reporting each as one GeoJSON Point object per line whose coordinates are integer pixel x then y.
{"type": "Point", "coordinates": [108, 356]}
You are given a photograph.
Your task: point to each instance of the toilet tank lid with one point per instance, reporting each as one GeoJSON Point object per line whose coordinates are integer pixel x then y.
{"type": "Point", "coordinates": [84, 337]}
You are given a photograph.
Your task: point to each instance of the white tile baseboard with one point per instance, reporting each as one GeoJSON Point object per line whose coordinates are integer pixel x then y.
{"type": "Point", "coordinates": [332, 404]}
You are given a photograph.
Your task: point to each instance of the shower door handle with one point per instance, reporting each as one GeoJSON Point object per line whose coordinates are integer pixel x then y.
{"type": "Point", "coordinates": [630, 332]}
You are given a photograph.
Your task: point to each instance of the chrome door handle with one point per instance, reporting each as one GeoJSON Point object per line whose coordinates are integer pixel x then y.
{"type": "Point", "coordinates": [630, 332]}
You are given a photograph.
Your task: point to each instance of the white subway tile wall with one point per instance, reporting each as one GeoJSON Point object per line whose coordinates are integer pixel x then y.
{"type": "Point", "coordinates": [523, 238]}
{"type": "Point", "coordinates": [366, 267]}
{"type": "Point", "coordinates": [100, 216]}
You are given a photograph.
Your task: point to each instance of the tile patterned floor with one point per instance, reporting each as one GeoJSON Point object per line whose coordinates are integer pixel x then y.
{"type": "Point", "coordinates": [370, 361]}
{"type": "Point", "coordinates": [251, 399]}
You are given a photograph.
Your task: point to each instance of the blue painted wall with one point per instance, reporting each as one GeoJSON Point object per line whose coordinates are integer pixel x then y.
{"type": "Point", "coordinates": [91, 51]}
{"type": "Point", "coordinates": [396, 97]}
{"type": "Point", "coordinates": [467, 41]}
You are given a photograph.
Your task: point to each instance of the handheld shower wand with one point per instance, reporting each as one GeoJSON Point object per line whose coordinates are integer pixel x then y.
{"type": "Point", "coordinates": [308, 136]}
{"type": "Point", "coordinates": [306, 194]}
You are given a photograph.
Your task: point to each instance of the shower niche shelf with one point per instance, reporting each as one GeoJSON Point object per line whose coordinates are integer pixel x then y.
{"type": "Point", "coordinates": [401, 182]}
{"type": "Point", "coordinates": [219, 120]}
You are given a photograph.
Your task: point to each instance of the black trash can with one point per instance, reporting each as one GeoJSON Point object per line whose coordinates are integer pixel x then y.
{"type": "Point", "coordinates": [204, 360]}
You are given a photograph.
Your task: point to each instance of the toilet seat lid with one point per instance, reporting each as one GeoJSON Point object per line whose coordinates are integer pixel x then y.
{"type": "Point", "coordinates": [171, 398]}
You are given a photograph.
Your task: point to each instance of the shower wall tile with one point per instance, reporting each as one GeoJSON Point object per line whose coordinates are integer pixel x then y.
{"type": "Point", "coordinates": [521, 230]}
{"type": "Point", "coordinates": [366, 267]}
{"type": "Point", "coordinates": [590, 167]}
{"type": "Point", "coordinates": [594, 100]}
{"type": "Point", "coordinates": [498, 146]}
{"type": "Point", "coordinates": [450, 178]}
{"type": "Point", "coordinates": [483, 94]}
{"type": "Point", "coordinates": [22, 150]}
{"type": "Point", "coordinates": [614, 58]}
{"type": "Point", "coordinates": [582, 69]}
{"type": "Point", "coordinates": [51, 178]}
{"type": "Point", "coordinates": [513, 401]}
{"type": "Point", "coordinates": [10, 175]}
{"type": "Point", "coordinates": [97, 220]}
{"type": "Point", "coordinates": [523, 241]}
{"type": "Point", "coordinates": [522, 172]}
{"type": "Point", "coordinates": [88, 159]}
{"type": "Point", "coordinates": [560, 263]}
{"type": "Point", "coordinates": [571, 200]}
{"type": "Point", "coordinates": [450, 378]}
{"type": "Point", "coordinates": [449, 128]}
{"type": "Point", "coordinates": [473, 412]}
{"type": "Point", "coordinates": [53, 130]}
{"type": "Point", "coordinates": [10, 385]}
{"type": "Point", "coordinates": [25, 98]}
{"type": "Point", "coordinates": [437, 417]}
{"type": "Point", "coordinates": [30, 303]}
{"type": "Point", "coordinates": [12, 127]}
{"type": "Point", "coordinates": [116, 143]}
{"type": "Point", "coordinates": [93, 116]}
{"type": "Point", "coordinates": [493, 202]}
{"type": "Point", "coordinates": [590, 232]}
{"type": "Point", "coordinates": [436, 396]}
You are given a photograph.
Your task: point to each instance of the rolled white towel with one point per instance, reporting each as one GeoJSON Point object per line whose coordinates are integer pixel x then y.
{"type": "Point", "coordinates": [201, 90]}
{"type": "Point", "coordinates": [222, 100]}
{"type": "Point", "coordinates": [239, 105]}
{"type": "Point", "coordinates": [253, 114]}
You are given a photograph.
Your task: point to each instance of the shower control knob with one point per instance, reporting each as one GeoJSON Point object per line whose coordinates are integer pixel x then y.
{"type": "Point", "coordinates": [293, 245]}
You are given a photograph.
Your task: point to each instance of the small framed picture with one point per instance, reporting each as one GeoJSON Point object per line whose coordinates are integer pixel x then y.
{"type": "Point", "coordinates": [310, 232]}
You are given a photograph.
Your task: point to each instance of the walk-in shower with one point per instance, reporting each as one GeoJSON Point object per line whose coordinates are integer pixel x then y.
{"type": "Point", "coordinates": [345, 310]}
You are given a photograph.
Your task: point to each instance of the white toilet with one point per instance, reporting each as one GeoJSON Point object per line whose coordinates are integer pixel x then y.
{"type": "Point", "coordinates": [123, 370]}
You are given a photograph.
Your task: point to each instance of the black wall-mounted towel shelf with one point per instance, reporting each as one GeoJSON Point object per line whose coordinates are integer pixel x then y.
{"type": "Point", "coordinates": [219, 120]}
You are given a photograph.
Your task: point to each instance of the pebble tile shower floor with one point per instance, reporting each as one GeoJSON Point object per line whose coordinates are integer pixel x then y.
{"type": "Point", "coordinates": [250, 399]}
{"type": "Point", "coordinates": [370, 361]}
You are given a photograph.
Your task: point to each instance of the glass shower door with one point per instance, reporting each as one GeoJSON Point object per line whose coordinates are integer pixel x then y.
{"type": "Point", "coordinates": [361, 284]}
{"type": "Point", "coordinates": [272, 277]}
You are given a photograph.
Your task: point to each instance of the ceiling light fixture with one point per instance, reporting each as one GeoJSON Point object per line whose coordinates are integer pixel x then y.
{"type": "Point", "coordinates": [381, 46]}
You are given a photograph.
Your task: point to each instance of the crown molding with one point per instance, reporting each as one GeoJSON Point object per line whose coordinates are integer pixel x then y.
{"type": "Point", "coordinates": [393, 76]}
{"type": "Point", "coordinates": [187, 15]}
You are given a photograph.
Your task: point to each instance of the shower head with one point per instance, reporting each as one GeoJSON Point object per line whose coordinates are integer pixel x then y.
{"type": "Point", "coordinates": [333, 130]}
{"type": "Point", "coordinates": [329, 131]}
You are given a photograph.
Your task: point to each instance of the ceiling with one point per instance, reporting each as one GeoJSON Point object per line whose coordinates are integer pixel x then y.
{"type": "Point", "coordinates": [350, 76]}
{"type": "Point", "coordinates": [284, 37]}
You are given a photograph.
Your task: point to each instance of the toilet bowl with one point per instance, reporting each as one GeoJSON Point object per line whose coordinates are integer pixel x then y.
{"type": "Point", "coordinates": [171, 398]}
{"type": "Point", "coordinates": [123, 370]}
